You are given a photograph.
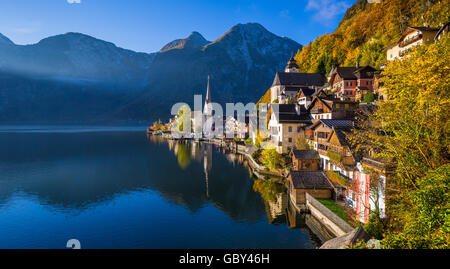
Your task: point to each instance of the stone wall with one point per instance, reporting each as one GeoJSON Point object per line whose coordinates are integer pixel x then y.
{"type": "Point", "coordinates": [334, 224]}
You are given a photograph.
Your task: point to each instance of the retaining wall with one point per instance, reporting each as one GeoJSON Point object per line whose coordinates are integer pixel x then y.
{"type": "Point", "coordinates": [334, 224]}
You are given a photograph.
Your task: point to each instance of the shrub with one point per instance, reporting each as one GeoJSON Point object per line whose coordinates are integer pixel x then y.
{"type": "Point", "coordinates": [375, 226]}
{"type": "Point", "coordinates": [368, 97]}
{"type": "Point", "coordinates": [271, 158]}
{"type": "Point", "coordinates": [428, 225]}
{"type": "Point", "coordinates": [248, 141]}
{"type": "Point", "coordinates": [335, 157]}
{"type": "Point", "coordinates": [255, 156]}
{"type": "Point", "coordinates": [336, 177]}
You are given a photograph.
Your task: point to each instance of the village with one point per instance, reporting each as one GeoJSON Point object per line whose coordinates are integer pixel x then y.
{"type": "Point", "coordinates": [310, 140]}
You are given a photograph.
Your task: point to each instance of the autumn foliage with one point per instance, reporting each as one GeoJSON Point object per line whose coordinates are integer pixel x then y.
{"type": "Point", "coordinates": [366, 30]}
{"type": "Point", "coordinates": [411, 131]}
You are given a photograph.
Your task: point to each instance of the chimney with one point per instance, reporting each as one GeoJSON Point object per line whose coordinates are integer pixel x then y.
{"type": "Point", "coordinates": [357, 64]}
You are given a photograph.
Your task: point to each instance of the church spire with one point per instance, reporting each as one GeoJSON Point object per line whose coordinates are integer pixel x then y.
{"type": "Point", "coordinates": [208, 93]}
{"type": "Point", "coordinates": [208, 101]}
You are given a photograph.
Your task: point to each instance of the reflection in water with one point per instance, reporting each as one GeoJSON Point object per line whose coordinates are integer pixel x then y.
{"type": "Point", "coordinates": [124, 190]}
{"type": "Point", "coordinates": [280, 211]}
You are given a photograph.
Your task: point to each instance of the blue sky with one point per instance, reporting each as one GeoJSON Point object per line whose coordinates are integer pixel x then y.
{"type": "Point", "coordinates": [147, 25]}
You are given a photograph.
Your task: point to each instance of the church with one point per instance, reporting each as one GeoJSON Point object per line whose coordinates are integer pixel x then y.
{"type": "Point", "coordinates": [288, 84]}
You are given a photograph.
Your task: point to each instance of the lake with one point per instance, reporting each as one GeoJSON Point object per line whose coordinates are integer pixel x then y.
{"type": "Point", "coordinates": [118, 188]}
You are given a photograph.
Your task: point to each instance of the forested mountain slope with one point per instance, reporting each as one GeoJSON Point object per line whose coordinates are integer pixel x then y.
{"type": "Point", "coordinates": [367, 29]}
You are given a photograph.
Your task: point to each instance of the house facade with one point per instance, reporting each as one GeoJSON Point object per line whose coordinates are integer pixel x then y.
{"type": "Point", "coordinates": [366, 193]}
{"type": "Point", "coordinates": [330, 108]}
{"type": "Point", "coordinates": [411, 38]}
{"type": "Point", "coordinates": [286, 123]}
{"type": "Point", "coordinates": [344, 80]}
{"type": "Point", "coordinates": [305, 96]}
{"type": "Point", "coordinates": [305, 160]}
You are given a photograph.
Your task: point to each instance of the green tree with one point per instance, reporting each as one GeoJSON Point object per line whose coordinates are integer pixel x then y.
{"type": "Point", "coordinates": [271, 158]}
{"type": "Point", "coordinates": [368, 98]}
{"type": "Point", "coordinates": [428, 221]}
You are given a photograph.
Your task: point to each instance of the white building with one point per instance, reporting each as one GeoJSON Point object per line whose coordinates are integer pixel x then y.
{"type": "Point", "coordinates": [287, 84]}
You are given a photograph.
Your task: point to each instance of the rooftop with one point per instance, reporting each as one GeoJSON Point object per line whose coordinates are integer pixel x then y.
{"type": "Point", "coordinates": [337, 123]}
{"type": "Point", "coordinates": [310, 180]}
{"type": "Point", "coordinates": [307, 91]}
{"type": "Point", "coordinates": [298, 79]}
{"type": "Point", "coordinates": [353, 73]}
{"type": "Point", "coordinates": [290, 113]}
{"type": "Point", "coordinates": [306, 154]}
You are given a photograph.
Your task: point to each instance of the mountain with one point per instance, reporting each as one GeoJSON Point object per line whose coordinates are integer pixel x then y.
{"type": "Point", "coordinates": [242, 64]}
{"type": "Point", "coordinates": [80, 71]}
{"type": "Point", "coordinates": [5, 41]}
{"type": "Point", "coordinates": [194, 41]}
{"type": "Point", "coordinates": [368, 28]}
{"type": "Point", "coordinates": [77, 56]}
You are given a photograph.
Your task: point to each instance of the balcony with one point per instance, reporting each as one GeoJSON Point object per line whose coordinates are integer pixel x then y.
{"type": "Point", "coordinates": [410, 40]}
{"type": "Point", "coordinates": [377, 164]}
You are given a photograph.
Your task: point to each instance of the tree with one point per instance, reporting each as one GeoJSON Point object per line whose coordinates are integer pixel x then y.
{"type": "Point", "coordinates": [368, 98]}
{"type": "Point", "coordinates": [428, 224]}
{"type": "Point", "coordinates": [411, 131]}
{"type": "Point", "coordinates": [367, 29]}
{"type": "Point", "coordinates": [271, 158]}
{"type": "Point", "coordinates": [301, 143]}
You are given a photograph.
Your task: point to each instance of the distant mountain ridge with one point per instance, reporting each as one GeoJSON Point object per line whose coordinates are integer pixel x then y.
{"type": "Point", "coordinates": [241, 63]}
{"type": "Point", "coordinates": [193, 41]}
{"type": "Point", "coordinates": [76, 55]}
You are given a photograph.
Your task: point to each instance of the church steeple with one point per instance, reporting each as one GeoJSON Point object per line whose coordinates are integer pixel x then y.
{"type": "Point", "coordinates": [292, 66]}
{"type": "Point", "coordinates": [208, 106]}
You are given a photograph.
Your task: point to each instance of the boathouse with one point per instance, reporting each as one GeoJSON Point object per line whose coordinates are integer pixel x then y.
{"type": "Point", "coordinates": [315, 183]}
{"type": "Point", "coordinates": [306, 160]}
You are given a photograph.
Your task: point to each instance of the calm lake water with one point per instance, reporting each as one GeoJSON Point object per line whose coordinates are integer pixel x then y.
{"type": "Point", "coordinates": [118, 188]}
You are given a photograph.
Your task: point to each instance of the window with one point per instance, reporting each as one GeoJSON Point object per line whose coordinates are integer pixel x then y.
{"type": "Point", "coordinates": [290, 129]}
{"type": "Point", "coordinates": [290, 140]}
{"type": "Point", "coordinates": [299, 129]}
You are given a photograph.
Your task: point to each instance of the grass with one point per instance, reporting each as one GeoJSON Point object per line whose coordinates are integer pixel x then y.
{"type": "Point", "coordinates": [331, 205]}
